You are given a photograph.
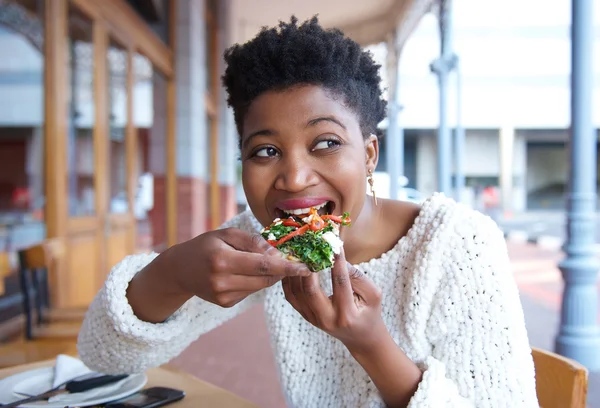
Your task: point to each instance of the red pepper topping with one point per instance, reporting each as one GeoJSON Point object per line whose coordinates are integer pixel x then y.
{"type": "Point", "coordinates": [292, 234]}
{"type": "Point", "coordinates": [337, 218]}
{"type": "Point", "coordinates": [291, 223]}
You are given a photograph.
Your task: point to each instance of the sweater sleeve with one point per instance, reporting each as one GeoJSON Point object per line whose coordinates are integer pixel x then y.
{"type": "Point", "coordinates": [480, 355]}
{"type": "Point", "coordinates": [113, 340]}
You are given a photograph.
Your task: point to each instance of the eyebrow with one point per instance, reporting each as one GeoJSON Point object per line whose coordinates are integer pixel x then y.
{"type": "Point", "coordinates": [263, 132]}
{"type": "Point", "coordinates": [310, 123]}
{"type": "Point", "coordinates": [332, 119]}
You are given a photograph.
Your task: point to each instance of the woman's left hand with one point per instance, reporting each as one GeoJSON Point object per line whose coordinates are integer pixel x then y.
{"type": "Point", "coordinates": [352, 314]}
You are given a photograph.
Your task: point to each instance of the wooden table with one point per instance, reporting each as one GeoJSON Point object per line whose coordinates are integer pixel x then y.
{"type": "Point", "coordinates": [198, 394]}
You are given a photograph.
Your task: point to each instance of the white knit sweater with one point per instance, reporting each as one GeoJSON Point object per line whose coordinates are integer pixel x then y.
{"type": "Point", "coordinates": [449, 301]}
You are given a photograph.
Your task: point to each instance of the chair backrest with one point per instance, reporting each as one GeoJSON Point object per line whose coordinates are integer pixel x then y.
{"type": "Point", "coordinates": [560, 381]}
{"type": "Point", "coordinates": [9, 264]}
{"type": "Point", "coordinates": [36, 263]}
{"type": "Point", "coordinates": [6, 269]}
{"type": "Point", "coordinates": [43, 255]}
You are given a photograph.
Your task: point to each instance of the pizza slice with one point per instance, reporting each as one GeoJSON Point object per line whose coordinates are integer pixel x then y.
{"type": "Point", "coordinates": [309, 238]}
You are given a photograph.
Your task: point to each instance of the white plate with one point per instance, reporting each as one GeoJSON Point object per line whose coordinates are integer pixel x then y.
{"type": "Point", "coordinates": [41, 378]}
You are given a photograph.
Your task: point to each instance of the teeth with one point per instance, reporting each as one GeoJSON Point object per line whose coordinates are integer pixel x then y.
{"type": "Point", "coordinates": [300, 211]}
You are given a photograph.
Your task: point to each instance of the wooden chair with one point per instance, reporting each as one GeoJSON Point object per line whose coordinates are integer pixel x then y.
{"type": "Point", "coordinates": [560, 381]}
{"type": "Point", "coordinates": [42, 321]}
{"type": "Point", "coordinates": [47, 331]}
{"type": "Point", "coordinates": [6, 269]}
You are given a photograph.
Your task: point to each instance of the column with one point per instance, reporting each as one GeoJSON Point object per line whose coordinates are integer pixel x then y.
{"type": "Point", "coordinates": [579, 333]}
{"type": "Point", "coordinates": [192, 137]}
{"type": "Point", "coordinates": [395, 135]}
{"type": "Point", "coordinates": [228, 135]}
{"type": "Point", "coordinates": [507, 141]}
{"type": "Point", "coordinates": [459, 141]}
{"type": "Point", "coordinates": [442, 66]}
{"type": "Point", "coordinates": [35, 171]}
{"type": "Point", "coordinates": [519, 195]}
{"type": "Point", "coordinates": [155, 141]}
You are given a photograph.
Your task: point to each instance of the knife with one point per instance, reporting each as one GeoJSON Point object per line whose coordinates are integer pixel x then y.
{"type": "Point", "coordinates": [72, 387]}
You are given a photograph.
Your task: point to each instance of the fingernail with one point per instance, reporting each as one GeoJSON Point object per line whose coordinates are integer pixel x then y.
{"type": "Point", "coordinates": [304, 271]}
{"type": "Point", "coordinates": [272, 251]}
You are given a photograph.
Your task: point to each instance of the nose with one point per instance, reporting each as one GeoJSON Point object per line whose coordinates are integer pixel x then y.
{"type": "Point", "coordinates": [295, 175]}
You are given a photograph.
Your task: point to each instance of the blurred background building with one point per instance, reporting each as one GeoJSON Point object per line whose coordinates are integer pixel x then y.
{"type": "Point", "coordinates": [115, 136]}
{"type": "Point", "coordinates": [515, 70]}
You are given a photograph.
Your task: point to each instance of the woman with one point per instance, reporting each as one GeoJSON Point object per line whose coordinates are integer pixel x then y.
{"type": "Point", "coordinates": [423, 309]}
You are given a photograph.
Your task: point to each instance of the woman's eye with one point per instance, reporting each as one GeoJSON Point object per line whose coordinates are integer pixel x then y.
{"type": "Point", "coordinates": [266, 152]}
{"type": "Point", "coordinates": [326, 144]}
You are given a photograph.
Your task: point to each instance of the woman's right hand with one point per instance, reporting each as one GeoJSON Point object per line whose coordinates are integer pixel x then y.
{"type": "Point", "coordinates": [225, 266]}
{"type": "Point", "coordinates": [222, 267]}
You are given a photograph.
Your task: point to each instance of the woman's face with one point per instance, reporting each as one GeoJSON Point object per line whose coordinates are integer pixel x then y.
{"type": "Point", "coordinates": [301, 148]}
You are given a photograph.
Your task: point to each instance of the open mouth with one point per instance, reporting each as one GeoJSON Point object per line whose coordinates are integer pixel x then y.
{"type": "Point", "coordinates": [325, 208]}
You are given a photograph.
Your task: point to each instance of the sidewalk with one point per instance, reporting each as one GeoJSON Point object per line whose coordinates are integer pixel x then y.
{"type": "Point", "coordinates": [545, 228]}
{"type": "Point", "coordinates": [237, 355]}
{"type": "Point", "coordinates": [540, 283]}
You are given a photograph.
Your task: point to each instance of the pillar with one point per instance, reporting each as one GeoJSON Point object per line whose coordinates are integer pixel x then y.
{"type": "Point", "coordinates": [395, 134]}
{"type": "Point", "coordinates": [228, 136]}
{"type": "Point", "coordinates": [35, 172]}
{"type": "Point", "coordinates": [156, 161]}
{"type": "Point", "coordinates": [459, 141]}
{"type": "Point", "coordinates": [519, 194]}
{"type": "Point", "coordinates": [507, 141]}
{"type": "Point", "coordinates": [191, 133]}
{"type": "Point", "coordinates": [228, 154]}
{"type": "Point", "coordinates": [579, 333]}
{"type": "Point", "coordinates": [442, 66]}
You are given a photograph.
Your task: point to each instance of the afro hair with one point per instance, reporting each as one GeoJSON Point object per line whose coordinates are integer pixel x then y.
{"type": "Point", "coordinates": [293, 55]}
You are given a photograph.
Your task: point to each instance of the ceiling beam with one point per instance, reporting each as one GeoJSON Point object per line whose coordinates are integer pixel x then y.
{"type": "Point", "coordinates": [402, 18]}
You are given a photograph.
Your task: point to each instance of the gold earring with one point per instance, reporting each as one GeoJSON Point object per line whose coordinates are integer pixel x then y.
{"type": "Point", "coordinates": [370, 181]}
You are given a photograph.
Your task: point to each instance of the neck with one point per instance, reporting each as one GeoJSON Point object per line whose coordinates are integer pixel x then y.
{"type": "Point", "coordinates": [361, 236]}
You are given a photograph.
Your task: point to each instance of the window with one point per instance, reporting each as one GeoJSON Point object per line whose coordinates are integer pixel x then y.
{"type": "Point", "coordinates": [117, 57]}
{"type": "Point", "coordinates": [22, 196]}
{"type": "Point", "coordinates": [150, 122]}
{"type": "Point", "coordinates": [80, 140]}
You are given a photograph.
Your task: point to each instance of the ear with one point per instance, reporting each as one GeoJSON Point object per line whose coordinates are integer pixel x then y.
{"type": "Point", "coordinates": [372, 152]}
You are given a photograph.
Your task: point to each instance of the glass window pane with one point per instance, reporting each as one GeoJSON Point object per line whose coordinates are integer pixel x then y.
{"type": "Point", "coordinates": [150, 121]}
{"type": "Point", "coordinates": [117, 111]}
{"type": "Point", "coordinates": [81, 121]}
{"type": "Point", "coordinates": [22, 195]}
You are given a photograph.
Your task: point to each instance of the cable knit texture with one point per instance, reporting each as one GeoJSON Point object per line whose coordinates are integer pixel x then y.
{"type": "Point", "coordinates": [449, 301]}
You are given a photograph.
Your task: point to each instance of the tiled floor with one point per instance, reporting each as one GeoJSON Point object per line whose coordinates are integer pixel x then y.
{"type": "Point", "coordinates": [541, 286]}
{"type": "Point", "coordinates": [237, 355]}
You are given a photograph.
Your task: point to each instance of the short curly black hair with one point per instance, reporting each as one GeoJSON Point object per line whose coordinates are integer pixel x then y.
{"type": "Point", "coordinates": [290, 55]}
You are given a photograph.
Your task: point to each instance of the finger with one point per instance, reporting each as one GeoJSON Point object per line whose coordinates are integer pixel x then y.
{"type": "Point", "coordinates": [286, 284]}
{"type": "Point", "coordinates": [245, 263]}
{"type": "Point", "coordinates": [340, 281]}
{"type": "Point", "coordinates": [249, 283]}
{"type": "Point", "coordinates": [302, 306]}
{"type": "Point", "coordinates": [360, 284]}
{"type": "Point", "coordinates": [247, 242]}
{"type": "Point", "coordinates": [296, 287]}
{"type": "Point", "coordinates": [316, 300]}
{"type": "Point", "coordinates": [230, 299]}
